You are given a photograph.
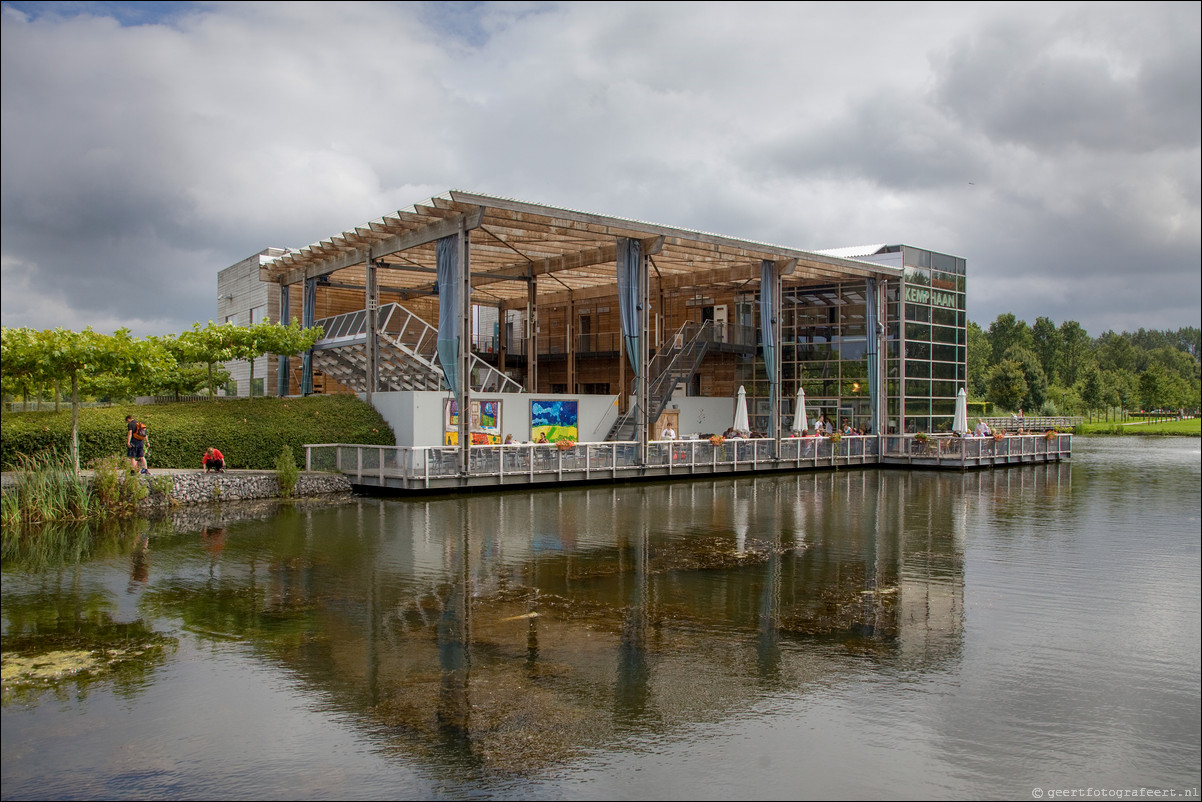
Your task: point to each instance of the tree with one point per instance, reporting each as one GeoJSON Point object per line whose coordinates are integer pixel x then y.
{"type": "Point", "coordinates": [20, 365]}
{"type": "Point", "coordinates": [1115, 352]}
{"type": "Point", "coordinates": [1008, 331]}
{"type": "Point", "coordinates": [1046, 341]}
{"type": "Point", "coordinates": [209, 346]}
{"type": "Point", "coordinates": [1066, 400]}
{"type": "Point", "coordinates": [1122, 388]}
{"type": "Point", "coordinates": [1159, 388]}
{"type": "Point", "coordinates": [252, 342]}
{"type": "Point", "coordinates": [1037, 383]}
{"type": "Point", "coordinates": [980, 360]}
{"type": "Point", "coordinates": [97, 361]}
{"type": "Point", "coordinates": [1092, 388]}
{"type": "Point", "coordinates": [1188, 339]}
{"type": "Point", "coordinates": [1007, 385]}
{"type": "Point", "coordinates": [192, 372]}
{"type": "Point", "coordinates": [90, 362]}
{"type": "Point", "coordinates": [1075, 352]}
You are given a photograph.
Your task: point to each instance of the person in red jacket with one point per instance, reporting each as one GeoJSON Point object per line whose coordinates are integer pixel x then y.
{"type": "Point", "coordinates": [213, 460]}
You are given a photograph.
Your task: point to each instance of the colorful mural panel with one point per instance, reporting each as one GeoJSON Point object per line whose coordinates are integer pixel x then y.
{"type": "Point", "coordinates": [484, 422]}
{"type": "Point", "coordinates": [557, 420]}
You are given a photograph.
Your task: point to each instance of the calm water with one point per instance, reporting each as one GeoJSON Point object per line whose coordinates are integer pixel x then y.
{"type": "Point", "coordinates": [856, 634]}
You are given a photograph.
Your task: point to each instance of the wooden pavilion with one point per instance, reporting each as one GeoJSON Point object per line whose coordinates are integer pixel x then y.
{"type": "Point", "coordinates": [561, 271]}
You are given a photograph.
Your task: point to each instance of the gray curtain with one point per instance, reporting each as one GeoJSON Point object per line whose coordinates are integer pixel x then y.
{"type": "Point", "coordinates": [282, 365]}
{"type": "Point", "coordinates": [309, 315]}
{"type": "Point", "coordinates": [448, 310]}
{"type": "Point", "coordinates": [870, 352]}
{"type": "Point", "coordinates": [768, 313]}
{"type": "Point", "coordinates": [629, 256]}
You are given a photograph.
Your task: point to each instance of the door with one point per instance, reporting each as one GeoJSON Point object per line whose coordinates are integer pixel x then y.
{"type": "Point", "coordinates": [720, 323]}
{"type": "Point", "coordinates": [669, 417]}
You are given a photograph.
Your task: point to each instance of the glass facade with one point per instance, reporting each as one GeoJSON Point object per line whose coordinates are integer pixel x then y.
{"type": "Point", "coordinates": [930, 315]}
{"type": "Point", "coordinates": [824, 345]}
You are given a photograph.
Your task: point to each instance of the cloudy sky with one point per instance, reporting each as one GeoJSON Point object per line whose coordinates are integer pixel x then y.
{"type": "Point", "coordinates": [1055, 146]}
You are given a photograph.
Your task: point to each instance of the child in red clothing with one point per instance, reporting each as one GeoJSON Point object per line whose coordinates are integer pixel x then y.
{"type": "Point", "coordinates": [213, 460]}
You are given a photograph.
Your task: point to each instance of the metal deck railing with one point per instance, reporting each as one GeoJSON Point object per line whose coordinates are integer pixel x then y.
{"type": "Point", "coordinates": [435, 467]}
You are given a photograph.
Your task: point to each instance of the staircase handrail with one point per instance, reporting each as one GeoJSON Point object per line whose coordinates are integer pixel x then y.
{"type": "Point", "coordinates": [425, 349]}
{"type": "Point", "coordinates": [662, 369]}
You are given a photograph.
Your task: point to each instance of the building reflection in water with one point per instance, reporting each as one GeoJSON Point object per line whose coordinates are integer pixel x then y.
{"type": "Point", "coordinates": [511, 631]}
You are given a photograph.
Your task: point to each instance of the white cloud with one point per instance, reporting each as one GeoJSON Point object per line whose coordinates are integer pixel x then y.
{"type": "Point", "coordinates": [161, 151]}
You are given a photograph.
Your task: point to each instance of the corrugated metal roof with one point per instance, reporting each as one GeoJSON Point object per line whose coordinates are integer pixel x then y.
{"type": "Point", "coordinates": [855, 251]}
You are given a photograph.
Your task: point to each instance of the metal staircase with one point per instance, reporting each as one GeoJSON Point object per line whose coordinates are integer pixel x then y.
{"type": "Point", "coordinates": [407, 357]}
{"type": "Point", "coordinates": [667, 369]}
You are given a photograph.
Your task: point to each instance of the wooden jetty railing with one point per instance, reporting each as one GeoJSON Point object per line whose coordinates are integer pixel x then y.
{"type": "Point", "coordinates": [1009, 423]}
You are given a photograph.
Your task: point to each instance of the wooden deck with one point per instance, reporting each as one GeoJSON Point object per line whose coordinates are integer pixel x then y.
{"type": "Point", "coordinates": [430, 469]}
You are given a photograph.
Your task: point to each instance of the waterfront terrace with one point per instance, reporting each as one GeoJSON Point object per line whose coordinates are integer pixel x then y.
{"type": "Point", "coordinates": [606, 337]}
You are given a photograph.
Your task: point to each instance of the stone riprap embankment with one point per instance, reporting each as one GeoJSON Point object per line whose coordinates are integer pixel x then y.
{"type": "Point", "coordinates": [196, 487]}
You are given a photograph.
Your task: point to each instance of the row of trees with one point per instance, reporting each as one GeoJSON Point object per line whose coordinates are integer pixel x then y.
{"type": "Point", "coordinates": [1058, 370]}
{"type": "Point", "coordinates": [118, 365]}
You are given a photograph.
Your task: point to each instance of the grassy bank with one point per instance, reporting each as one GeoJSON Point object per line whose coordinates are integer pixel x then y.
{"type": "Point", "coordinates": [250, 432]}
{"type": "Point", "coordinates": [1181, 428]}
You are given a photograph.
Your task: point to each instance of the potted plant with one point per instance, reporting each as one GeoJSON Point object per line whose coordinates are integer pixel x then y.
{"type": "Point", "coordinates": [565, 444]}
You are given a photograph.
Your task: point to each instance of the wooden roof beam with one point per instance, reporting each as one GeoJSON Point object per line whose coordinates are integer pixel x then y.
{"type": "Point", "coordinates": [360, 253]}
{"type": "Point", "coordinates": [522, 271]}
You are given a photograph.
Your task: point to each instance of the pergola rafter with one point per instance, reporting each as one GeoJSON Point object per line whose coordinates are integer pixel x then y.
{"type": "Point", "coordinates": [514, 242]}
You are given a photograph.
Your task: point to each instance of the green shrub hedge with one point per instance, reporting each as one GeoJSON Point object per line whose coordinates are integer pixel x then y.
{"type": "Point", "coordinates": [249, 432]}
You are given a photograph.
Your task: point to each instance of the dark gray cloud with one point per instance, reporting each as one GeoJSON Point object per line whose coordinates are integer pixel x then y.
{"type": "Point", "coordinates": [1086, 81]}
{"type": "Point", "coordinates": [1055, 146]}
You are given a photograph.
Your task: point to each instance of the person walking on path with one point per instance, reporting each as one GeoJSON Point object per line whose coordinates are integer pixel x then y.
{"type": "Point", "coordinates": [135, 444]}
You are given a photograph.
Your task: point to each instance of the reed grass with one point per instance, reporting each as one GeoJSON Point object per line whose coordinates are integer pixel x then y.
{"type": "Point", "coordinates": [48, 490]}
{"type": "Point", "coordinates": [286, 471]}
{"type": "Point", "coordinates": [116, 490]}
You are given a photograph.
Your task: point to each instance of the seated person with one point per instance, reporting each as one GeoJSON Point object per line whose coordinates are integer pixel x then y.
{"type": "Point", "coordinates": [982, 430]}
{"type": "Point", "coordinates": [213, 460]}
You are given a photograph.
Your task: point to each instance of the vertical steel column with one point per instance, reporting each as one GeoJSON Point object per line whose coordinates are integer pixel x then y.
{"type": "Point", "coordinates": [878, 290]}
{"type": "Point", "coordinates": [464, 277]}
{"type": "Point", "coordinates": [502, 336]}
{"type": "Point", "coordinates": [774, 380]}
{"type": "Point", "coordinates": [871, 347]}
{"type": "Point", "coordinates": [532, 334]}
{"type": "Point", "coordinates": [570, 344]}
{"type": "Point", "coordinates": [902, 426]}
{"type": "Point", "coordinates": [642, 421]}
